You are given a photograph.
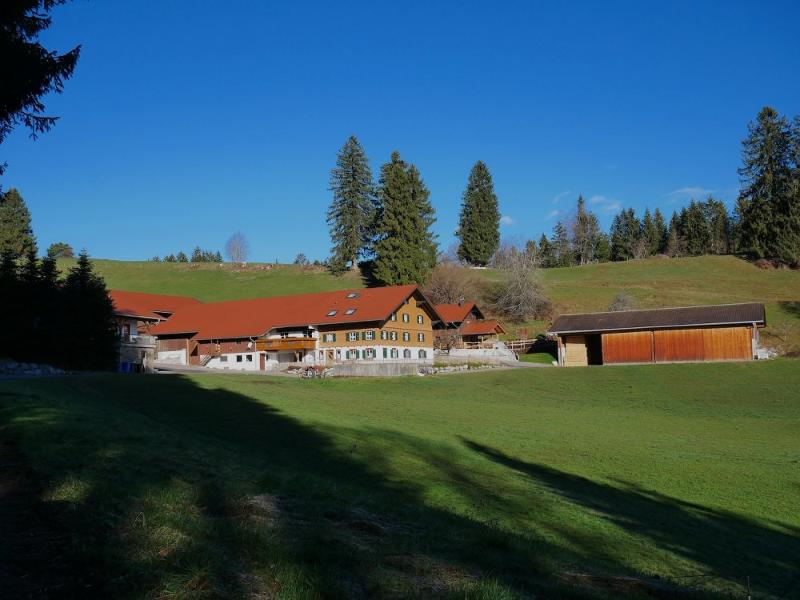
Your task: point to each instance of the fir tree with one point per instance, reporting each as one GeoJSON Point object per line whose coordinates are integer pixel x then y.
{"type": "Point", "coordinates": [16, 235]}
{"type": "Point", "coordinates": [602, 252]}
{"type": "Point", "coordinates": [625, 235]}
{"type": "Point", "coordinates": [660, 227]}
{"type": "Point", "coordinates": [694, 230]}
{"type": "Point", "coordinates": [480, 218]}
{"type": "Point", "coordinates": [352, 214]}
{"type": "Point", "coordinates": [546, 259]}
{"type": "Point", "coordinates": [718, 224]}
{"type": "Point", "coordinates": [674, 242]}
{"type": "Point", "coordinates": [585, 230]}
{"type": "Point", "coordinates": [406, 248]}
{"type": "Point", "coordinates": [562, 249]}
{"type": "Point", "coordinates": [766, 182]}
{"type": "Point", "coordinates": [650, 233]}
{"type": "Point", "coordinates": [181, 257]}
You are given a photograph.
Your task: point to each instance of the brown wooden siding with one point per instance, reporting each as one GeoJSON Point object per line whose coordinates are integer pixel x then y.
{"type": "Point", "coordinates": [575, 353]}
{"type": "Point", "coordinates": [728, 343]}
{"type": "Point", "coordinates": [679, 345]}
{"type": "Point", "coordinates": [628, 347]}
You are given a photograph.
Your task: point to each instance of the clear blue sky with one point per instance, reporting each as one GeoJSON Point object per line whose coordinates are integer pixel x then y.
{"type": "Point", "coordinates": [186, 121]}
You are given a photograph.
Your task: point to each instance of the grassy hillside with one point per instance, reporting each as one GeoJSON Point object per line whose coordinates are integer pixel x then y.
{"type": "Point", "coordinates": [590, 482]}
{"type": "Point", "coordinates": [652, 283]}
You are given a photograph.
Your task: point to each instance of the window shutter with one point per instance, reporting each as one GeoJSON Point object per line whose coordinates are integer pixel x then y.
{"type": "Point", "coordinates": [385, 352]}
{"type": "Point", "coordinates": [334, 338]}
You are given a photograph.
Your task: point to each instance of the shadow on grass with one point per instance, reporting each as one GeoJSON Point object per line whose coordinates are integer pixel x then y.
{"type": "Point", "coordinates": [791, 307]}
{"type": "Point", "coordinates": [713, 538]}
{"type": "Point", "coordinates": [174, 489]}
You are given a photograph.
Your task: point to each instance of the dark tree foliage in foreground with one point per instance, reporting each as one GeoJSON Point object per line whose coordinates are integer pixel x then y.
{"type": "Point", "coordinates": [479, 223]}
{"type": "Point", "coordinates": [16, 235]}
{"type": "Point", "coordinates": [67, 323]}
{"type": "Point", "coordinates": [28, 70]}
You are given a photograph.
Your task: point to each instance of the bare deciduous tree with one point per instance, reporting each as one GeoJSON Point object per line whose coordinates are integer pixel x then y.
{"type": "Point", "coordinates": [622, 301]}
{"type": "Point", "coordinates": [520, 295]}
{"type": "Point", "coordinates": [451, 283]}
{"type": "Point", "coordinates": [236, 248]}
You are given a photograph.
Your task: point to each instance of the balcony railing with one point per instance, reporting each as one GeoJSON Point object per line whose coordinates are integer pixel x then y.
{"type": "Point", "coordinates": [139, 340]}
{"type": "Point", "coordinates": [293, 343]}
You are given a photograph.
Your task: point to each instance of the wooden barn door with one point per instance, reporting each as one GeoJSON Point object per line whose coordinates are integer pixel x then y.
{"type": "Point", "coordinates": [679, 345]}
{"type": "Point", "coordinates": [627, 347]}
{"type": "Point", "coordinates": [727, 343]}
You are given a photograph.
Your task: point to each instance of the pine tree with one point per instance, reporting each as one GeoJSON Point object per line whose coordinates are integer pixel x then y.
{"type": "Point", "coordinates": [546, 259]}
{"type": "Point", "coordinates": [198, 255]}
{"type": "Point", "coordinates": [652, 234]}
{"type": "Point", "coordinates": [181, 257]}
{"type": "Point", "coordinates": [406, 248]}
{"type": "Point", "coordinates": [602, 252]}
{"type": "Point", "coordinates": [674, 241]}
{"type": "Point", "coordinates": [787, 211]}
{"type": "Point", "coordinates": [585, 230]}
{"type": "Point", "coordinates": [352, 214]}
{"type": "Point", "coordinates": [16, 235]}
{"type": "Point", "coordinates": [661, 230]}
{"type": "Point", "coordinates": [766, 182]}
{"type": "Point", "coordinates": [626, 235]}
{"type": "Point", "coordinates": [694, 230]}
{"type": "Point", "coordinates": [479, 226]}
{"type": "Point", "coordinates": [562, 249]}
{"type": "Point", "coordinates": [719, 225]}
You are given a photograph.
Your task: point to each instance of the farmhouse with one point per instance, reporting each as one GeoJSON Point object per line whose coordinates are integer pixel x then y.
{"type": "Point", "coordinates": [376, 324]}
{"type": "Point", "coordinates": [136, 313]}
{"type": "Point", "coordinates": [465, 324]}
{"type": "Point", "coordinates": [690, 334]}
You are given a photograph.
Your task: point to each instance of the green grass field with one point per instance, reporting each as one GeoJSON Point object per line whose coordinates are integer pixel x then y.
{"type": "Point", "coordinates": [595, 482]}
{"type": "Point", "coordinates": [652, 283]}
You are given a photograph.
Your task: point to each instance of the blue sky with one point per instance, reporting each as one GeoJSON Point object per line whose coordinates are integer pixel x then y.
{"type": "Point", "coordinates": [186, 121]}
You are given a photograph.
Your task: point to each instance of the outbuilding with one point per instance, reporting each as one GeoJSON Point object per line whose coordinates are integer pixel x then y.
{"type": "Point", "coordinates": [664, 335]}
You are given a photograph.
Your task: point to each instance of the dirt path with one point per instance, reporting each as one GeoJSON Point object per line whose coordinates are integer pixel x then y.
{"type": "Point", "coordinates": [36, 558]}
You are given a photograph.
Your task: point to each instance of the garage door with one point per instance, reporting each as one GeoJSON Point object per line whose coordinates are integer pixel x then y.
{"type": "Point", "coordinates": [627, 347]}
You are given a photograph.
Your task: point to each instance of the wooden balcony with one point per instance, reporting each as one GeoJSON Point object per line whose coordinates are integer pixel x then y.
{"type": "Point", "coordinates": [292, 343]}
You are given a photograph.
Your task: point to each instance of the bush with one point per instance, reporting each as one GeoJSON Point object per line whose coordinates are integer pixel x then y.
{"type": "Point", "coordinates": [520, 295]}
{"type": "Point", "coordinates": [622, 301]}
{"type": "Point", "coordinates": [451, 283]}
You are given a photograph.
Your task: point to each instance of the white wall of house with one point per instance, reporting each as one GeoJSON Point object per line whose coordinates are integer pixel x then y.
{"type": "Point", "coordinates": [408, 353]}
{"type": "Point", "coordinates": [236, 361]}
{"type": "Point", "coordinates": [173, 357]}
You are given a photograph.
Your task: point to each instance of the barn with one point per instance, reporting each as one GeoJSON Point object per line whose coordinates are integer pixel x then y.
{"type": "Point", "coordinates": [664, 335]}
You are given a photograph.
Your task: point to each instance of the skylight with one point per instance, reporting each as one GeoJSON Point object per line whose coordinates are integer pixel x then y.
{"type": "Point", "coordinates": [350, 311]}
{"type": "Point", "coordinates": [332, 313]}
{"type": "Point", "coordinates": [353, 295]}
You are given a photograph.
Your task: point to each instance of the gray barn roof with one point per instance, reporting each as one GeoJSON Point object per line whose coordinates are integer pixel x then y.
{"type": "Point", "coordinates": [661, 318]}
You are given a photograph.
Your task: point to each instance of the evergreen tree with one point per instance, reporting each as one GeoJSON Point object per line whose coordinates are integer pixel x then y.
{"type": "Point", "coordinates": [90, 329]}
{"type": "Point", "coordinates": [661, 230]}
{"type": "Point", "coordinates": [787, 210]}
{"type": "Point", "coordinates": [406, 248]}
{"type": "Point", "coordinates": [602, 252]}
{"type": "Point", "coordinates": [766, 182]}
{"type": "Point", "coordinates": [718, 224]}
{"type": "Point", "coordinates": [198, 255]}
{"type": "Point", "coordinates": [674, 241]}
{"type": "Point", "coordinates": [16, 235]}
{"type": "Point", "coordinates": [170, 258]}
{"type": "Point", "coordinates": [479, 226]}
{"type": "Point", "coordinates": [562, 249]}
{"type": "Point", "coordinates": [625, 235]}
{"type": "Point", "coordinates": [585, 231]}
{"type": "Point", "coordinates": [546, 258]}
{"type": "Point", "coordinates": [694, 230]}
{"type": "Point", "coordinates": [352, 214]}
{"type": "Point", "coordinates": [651, 233]}
{"type": "Point", "coordinates": [181, 257]}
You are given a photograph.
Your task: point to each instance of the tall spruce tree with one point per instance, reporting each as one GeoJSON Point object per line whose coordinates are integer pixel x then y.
{"type": "Point", "coordinates": [562, 249]}
{"type": "Point", "coordinates": [787, 211]}
{"type": "Point", "coordinates": [406, 247]}
{"type": "Point", "coordinates": [479, 225]}
{"type": "Point", "coordinates": [585, 231]}
{"type": "Point", "coordinates": [661, 230]}
{"type": "Point", "coordinates": [765, 183]}
{"type": "Point", "coordinates": [546, 259]}
{"type": "Point", "coordinates": [694, 230]}
{"type": "Point", "coordinates": [626, 233]}
{"type": "Point", "coordinates": [352, 214]}
{"type": "Point", "coordinates": [650, 233]}
{"type": "Point", "coordinates": [16, 235]}
{"type": "Point", "coordinates": [719, 225]}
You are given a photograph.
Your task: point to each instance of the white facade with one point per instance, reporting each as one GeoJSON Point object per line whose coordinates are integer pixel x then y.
{"type": "Point", "coordinates": [173, 357]}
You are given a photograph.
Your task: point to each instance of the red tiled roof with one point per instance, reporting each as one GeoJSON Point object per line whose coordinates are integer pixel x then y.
{"type": "Point", "coordinates": [482, 328]}
{"type": "Point", "coordinates": [251, 318]}
{"type": "Point", "coordinates": [147, 306]}
{"type": "Point", "coordinates": [455, 313]}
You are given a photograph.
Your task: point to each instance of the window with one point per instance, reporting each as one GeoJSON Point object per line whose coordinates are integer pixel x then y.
{"type": "Point", "coordinates": [249, 358]}
{"type": "Point", "coordinates": [420, 319]}
{"type": "Point", "coordinates": [353, 295]}
{"type": "Point", "coordinates": [395, 354]}
{"type": "Point", "coordinates": [422, 354]}
{"type": "Point", "coordinates": [223, 359]}
{"type": "Point", "coordinates": [406, 336]}
{"type": "Point", "coordinates": [329, 337]}
{"type": "Point", "coordinates": [420, 337]}
{"type": "Point", "coordinates": [384, 334]}
{"type": "Point", "coordinates": [238, 358]}
{"type": "Point", "coordinates": [369, 335]}
{"type": "Point", "coordinates": [405, 318]}
{"type": "Point", "coordinates": [350, 311]}
{"type": "Point", "coordinates": [394, 316]}
{"type": "Point", "coordinates": [338, 354]}
{"type": "Point", "coordinates": [352, 336]}
{"type": "Point", "coordinates": [369, 353]}
{"type": "Point", "coordinates": [332, 313]}
{"type": "Point", "coordinates": [392, 335]}
{"type": "Point", "coordinates": [385, 353]}
{"type": "Point", "coordinates": [406, 353]}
